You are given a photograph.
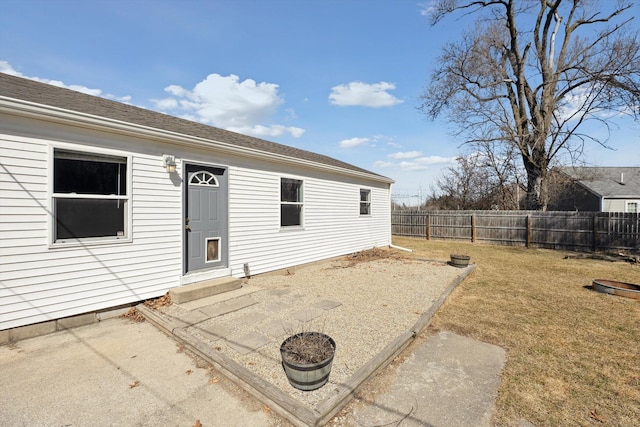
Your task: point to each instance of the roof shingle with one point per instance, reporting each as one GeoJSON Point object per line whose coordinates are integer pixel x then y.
{"type": "Point", "coordinates": [621, 182]}
{"type": "Point", "coordinates": [45, 94]}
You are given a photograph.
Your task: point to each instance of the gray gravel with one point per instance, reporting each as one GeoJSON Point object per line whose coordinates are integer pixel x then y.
{"type": "Point", "coordinates": [378, 301]}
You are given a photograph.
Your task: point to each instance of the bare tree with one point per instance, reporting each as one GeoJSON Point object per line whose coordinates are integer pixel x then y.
{"type": "Point", "coordinates": [532, 73]}
{"type": "Point", "coordinates": [501, 169]}
{"type": "Point", "coordinates": [478, 180]}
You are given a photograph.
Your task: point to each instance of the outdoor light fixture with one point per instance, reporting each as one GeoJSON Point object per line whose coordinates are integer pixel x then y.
{"type": "Point", "coordinates": [169, 163]}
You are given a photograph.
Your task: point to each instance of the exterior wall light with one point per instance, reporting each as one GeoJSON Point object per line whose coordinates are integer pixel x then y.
{"type": "Point", "coordinates": [169, 163]}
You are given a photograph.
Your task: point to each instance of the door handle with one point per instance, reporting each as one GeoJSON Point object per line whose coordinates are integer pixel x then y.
{"type": "Point", "coordinates": [186, 225]}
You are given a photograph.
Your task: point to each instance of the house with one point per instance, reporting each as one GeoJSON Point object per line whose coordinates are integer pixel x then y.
{"type": "Point", "coordinates": [104, 204]}
{"type": "Point", "coordinates": [599, 189]}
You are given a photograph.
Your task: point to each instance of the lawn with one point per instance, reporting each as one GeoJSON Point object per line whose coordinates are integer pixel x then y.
{"type": "Point", "coordinates": [573, 355]}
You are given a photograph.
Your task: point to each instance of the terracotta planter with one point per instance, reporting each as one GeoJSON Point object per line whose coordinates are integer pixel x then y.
{"type": "Point", "coordinates": [304, 375]}
{"type": "Point", "coordinates": [459, 261]}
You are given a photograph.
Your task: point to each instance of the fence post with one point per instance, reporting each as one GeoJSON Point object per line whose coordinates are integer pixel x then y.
{"type": "Point", "coordinates": [473, 228]}
{"type": "Point", "coordinates": [528, 244]}
{"type": "Point", "coordinates": [595, 231]}
{"type": "Point", "coordinates": [428, 227]}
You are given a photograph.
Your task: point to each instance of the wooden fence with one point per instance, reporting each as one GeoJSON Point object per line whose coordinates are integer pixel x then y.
{"type": "Point", "coordinates": [578, 231]}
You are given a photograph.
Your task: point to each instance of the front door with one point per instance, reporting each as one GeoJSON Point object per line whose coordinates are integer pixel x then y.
{"type": "Point", "coordinates": [206, 218]}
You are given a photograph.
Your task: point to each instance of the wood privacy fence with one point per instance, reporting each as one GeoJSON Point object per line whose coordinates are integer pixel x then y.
{"type": "Point", "coordinates": [579, 231]}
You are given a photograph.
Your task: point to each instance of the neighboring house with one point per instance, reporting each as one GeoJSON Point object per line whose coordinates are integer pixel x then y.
{"type": "Point", "coordinates": [105, 204]}
{"type": "Point", "coordinates": [600, 189]}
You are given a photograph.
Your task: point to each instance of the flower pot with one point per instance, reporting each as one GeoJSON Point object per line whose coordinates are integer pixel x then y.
{"type": "Point", "coordinates": [304, 370]}
{"type": "Point", "coordinates": [459, 261]}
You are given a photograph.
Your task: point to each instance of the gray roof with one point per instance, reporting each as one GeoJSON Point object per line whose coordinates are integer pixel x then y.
{"type": "Point", "coordinates": [621, 182]}
{"type": "Point", "coordinates": [45, 94]}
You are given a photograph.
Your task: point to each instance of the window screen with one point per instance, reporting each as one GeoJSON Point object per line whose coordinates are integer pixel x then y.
{"type": "Point", "coordinates": [90, 197]}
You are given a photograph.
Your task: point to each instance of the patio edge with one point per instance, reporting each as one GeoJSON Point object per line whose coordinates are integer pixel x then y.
{"type": "Point", "coordinates": [280, 402]}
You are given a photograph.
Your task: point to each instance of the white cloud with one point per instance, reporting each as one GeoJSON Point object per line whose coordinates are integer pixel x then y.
{"type": "Point", "coordinates": [427, 8]}
{"type": "Point", "coordinates": [425, 163]}
{"type": "Point", "coordinates": [575, 103]}
{"type": "Point", "coordinates": [353, 142]}
{"type": "Point", "coordinates": [414, 161]}
{"type": "Point", "coordinates": [413, 166]}
{"type": "Point", "coordinates": [364, 94]}
{"type": "Point", "coordinates": [165, 104]}
{"type": "Point", "coordinates": [6, 68]}
{"type": "Point", "coordinates": [382, 164]}
{"type": "Point", "coordinates": [268, 131]}
{"type": "Point", "coordinates": [435, 160]}
{"type": "Point", "coordinates": [227, 102]}
{"type": "Point", "coordinates": [405, 155]}
{"type": "Point", "coordinates": [124, 99]}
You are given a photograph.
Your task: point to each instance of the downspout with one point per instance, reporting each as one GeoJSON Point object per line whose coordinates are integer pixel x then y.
{"type": "Point", "coordinates": [400, 248]}
{"type": "Point", "coordinates": [390, 213]}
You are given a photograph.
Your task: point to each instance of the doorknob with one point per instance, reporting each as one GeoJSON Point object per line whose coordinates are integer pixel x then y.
{"type": "Point", "coordinates": [186, 225]}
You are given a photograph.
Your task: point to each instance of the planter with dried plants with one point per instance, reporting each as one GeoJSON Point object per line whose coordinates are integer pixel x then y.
{"type": "Point", "coordinates": [307, 358]}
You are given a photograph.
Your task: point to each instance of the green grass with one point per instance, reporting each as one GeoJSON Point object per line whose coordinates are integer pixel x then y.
{"type": "Point", "coordinates": [573, 355]}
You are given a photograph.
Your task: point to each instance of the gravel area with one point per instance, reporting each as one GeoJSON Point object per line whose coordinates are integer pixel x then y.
{"type": "Point", "coordinates": [374, 301]}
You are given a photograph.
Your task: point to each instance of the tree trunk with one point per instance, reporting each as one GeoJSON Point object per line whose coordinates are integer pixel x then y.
{"type": "Point", "coordinates": [535, 199]}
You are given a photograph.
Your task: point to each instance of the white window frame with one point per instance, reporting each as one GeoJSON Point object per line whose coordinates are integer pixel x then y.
{"type": "Point", "coordinates": [364, 202]}
{"type": "Point", "coordinates": [127, 199]}
{"type": "Point", "coordinates": [629, 202]}
{"type": "Point", "coordinates": [298, 203]}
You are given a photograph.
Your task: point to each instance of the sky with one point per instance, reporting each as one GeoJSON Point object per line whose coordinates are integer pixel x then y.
{"type": "Point", "coordinates": [337, 77]}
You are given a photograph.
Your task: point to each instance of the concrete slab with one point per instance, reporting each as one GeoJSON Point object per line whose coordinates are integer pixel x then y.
{"type": "Point", "coordinates": [204, 289]}
{"type": "Point", "coordinates": [4, 337]}
{"type": "Point", "coordinates": [212, 332]}
{"type": "Point", "coordinates": [241, 302]}
{"type": "Point", "coordinates": [112, 312]}
{"type": "Point", "coordinates": [449, 380]}
{"type": "Point", "coordinates": [250, 318]}
{"type": "Point", "coordinates": [214, 299]}
{"type": "Point", "coordinates": [30, 331]}
{"type": "Point", "coordinates": [248, 343]}
{"type": "Point", "coordinates": [307, 315]}
{"type": "Point", "coordinates": [116, 373]}
{"type": "Point", "coordinates": [327, 304]}
{"type": "Point", "coordinates": [75, 321]}
{"type": "Point", "coordinates": [277, 328]}
{"type": "Point", "coordinates": [226, 307]}
{"type": "Point", "coordinates": [277, 307]}
{"type": "Point", "coordinates": [192, 317]}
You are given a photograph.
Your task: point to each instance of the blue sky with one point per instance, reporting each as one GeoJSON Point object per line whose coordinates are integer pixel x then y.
{"type": "Point", "coordinates": [338, 77]}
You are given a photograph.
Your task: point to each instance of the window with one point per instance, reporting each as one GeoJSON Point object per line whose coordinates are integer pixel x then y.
{"type": "Point", "coordinates": [365, 202]}
{"type": "Point", "coordinates": [90, 199]}
{"type": "Point", "coordinates": [632, 206]}
{"type": "Point", "coordinates": [204, 179]}
{"type": "Point", "coordinates": [290, 202]}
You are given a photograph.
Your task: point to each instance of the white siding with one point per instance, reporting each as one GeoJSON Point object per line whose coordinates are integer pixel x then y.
{"type": "Point", "coordinates": [41, 282]}
{"type": "Point", "coordinates": [615, 205]}
{"type": "Point", "coordinates": [332, 224]}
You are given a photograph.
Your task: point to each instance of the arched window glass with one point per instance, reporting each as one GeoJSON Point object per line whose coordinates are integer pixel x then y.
{"type": "Point", "coordinates": [203, 178]}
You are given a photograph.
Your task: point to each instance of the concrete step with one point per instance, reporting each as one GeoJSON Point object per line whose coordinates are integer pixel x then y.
{"type": "Point", "coordinates": [204, 289]}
